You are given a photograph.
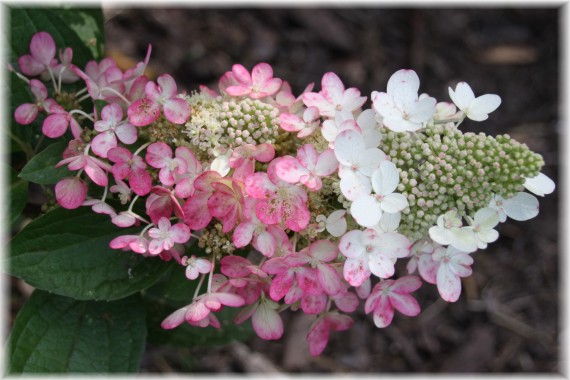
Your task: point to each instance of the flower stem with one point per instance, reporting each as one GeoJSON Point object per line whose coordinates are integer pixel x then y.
{"type": "Point", "coordinates": [82, 113]}
{"type": "Point", "coordinates": [199, 286]}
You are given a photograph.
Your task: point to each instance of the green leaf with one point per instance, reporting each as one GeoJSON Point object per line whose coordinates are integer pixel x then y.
{"type": "Point", "coordinates": [41, 169]}
{"type": "Point", "coordinates": [186, 335]}
{"type": "Point", "coordinates": [54, 334]}
{"type": "Point", "coordinates": [88, 24]}
{"type": "Point", "coordinates": [67, 252]}
{"type": "Point", "coordinates": [18, 196]}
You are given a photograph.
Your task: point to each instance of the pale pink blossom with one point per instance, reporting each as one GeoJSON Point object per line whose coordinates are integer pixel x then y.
{"type": "Point", "coordinates": [421, 258]}
{"type": "Point", "coordinates": [227, 202]}
{"type": "Point", "coordinates": [110, 127]}
{"type": "Point", "coordinates": [279, 201]}
{"type": "Point", "coordinates": [304, 126]}
{"type": "Point", "coordinates": [243, 158]}
{"type": "Point", "coordinates": [286, 275]}
{"type": "Point", "coordinates": [99, 206]}
{"type": "Point", "coordinates": [185, 180]}
{"type": "Point", "coordinates": [56, 123]}
{"type": "Point", "coordinates": [318, 255]}
{"type": "Point", "coordinates": [319, 332]}
{"type": "Point", "coordinates": [166, 235]}
{"type": "Point", "coordinates": [266, 239]}
{"type": "Point", "coordinates": [41, 57]}
{"type": "Point", "coordinates": [196, 212]}
{"type": "Point", "coordinates": [147, 110]}
{"type": "Point", "coordinates": [123, 190]}
{"type": "Point", "coordinates": [308, 168]}
{"type": "Point", "coordinates": [369, 251]}
{"type": "Point", "coordinates": [198, 312]}
{"type": "Point", "coordinates": [162, 202]}
{"type": "Point", "coordinates": [388, 295]}
{"type": "Point", "coordinates": [159, 156]}
{"type": "Point", "coordinates": [195, 266]}
{"type": "Point", "coordinates": [135, 243]}
{"type": "Point", "coordinates": [132, 167]}
{"type": "Point", "coordinates": [333, 97]}
{"type": "Point", "coordinates": [259, 84]}
{"type": "Point", "coordinates": [103, 80]}
{"type": "Point", "coordinates": [26, 113]}
{"type": "Point", "coordinates": [64, 70]}
{"type": "Point", "coordinates": [94, 167]}
{"type": "Point", "coordinates": [71, 192]}
{"type": "Point", "coordinates": [453, 264]}
{"type": "Point", "coordinates": [265, 319]}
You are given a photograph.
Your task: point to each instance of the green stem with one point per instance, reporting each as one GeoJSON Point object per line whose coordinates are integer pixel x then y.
{"type": "Point", "coordinates": [25, 146]}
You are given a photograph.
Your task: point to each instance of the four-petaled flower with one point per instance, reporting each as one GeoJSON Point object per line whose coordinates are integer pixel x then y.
{"type": "Point", "coordinates": [333, 97]}
{"type": "Point", "coordinates": [110, 127]}
{"type": "Point", "coordinates": [477, 109]}
{"type": "Point", "coordinates": [259, 84]}
{"type": "Point", "coordinates": [400, 107]}
{"type": "Point", "coordinates": [166, 235]}
{"type": "Point", "coordinates": [147, 110]}
{"type": "Point", "coordinates": [388, 295]}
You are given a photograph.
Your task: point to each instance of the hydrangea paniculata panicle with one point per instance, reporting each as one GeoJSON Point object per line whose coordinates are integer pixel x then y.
{"type": "Point", "coordinates": [327, 194]}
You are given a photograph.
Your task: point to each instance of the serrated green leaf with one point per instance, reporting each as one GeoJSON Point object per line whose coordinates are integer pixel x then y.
{"type": "Point", "coordinates": [18, 196]}
{"type": "Point", "coordinates": [41, 168]}
{"type": "Point", "coordinates": [55, 334]}
{"type": "Point", "coordinates": [67, 252]}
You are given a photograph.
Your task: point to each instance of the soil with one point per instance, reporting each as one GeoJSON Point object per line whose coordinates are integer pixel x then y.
{"type": "Point", "coordinates": [508, 317]}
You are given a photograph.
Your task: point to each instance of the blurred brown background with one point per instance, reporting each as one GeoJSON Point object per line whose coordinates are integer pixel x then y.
{"type": "Point", "coordinates": [507, 319]}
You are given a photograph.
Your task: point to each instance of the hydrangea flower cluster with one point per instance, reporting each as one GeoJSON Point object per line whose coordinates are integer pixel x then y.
{"type": "Point", "coordinates": [280, 201]}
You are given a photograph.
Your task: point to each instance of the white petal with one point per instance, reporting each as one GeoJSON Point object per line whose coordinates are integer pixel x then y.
{"type": "Point", "coordinates": [404, 78]}
{"type": "Point", "coordinates": [336, 223]}
{"type": "Point", "coordinates": [394, 203]}
{"type": "Point", "coordinates": [522, 206]}
{"type": "Point", "coordinates": [393, 244]}
{"type": "Point", "coordinates": [539, 185]}
{"type": "Point", "coordinates": [423, 110]}
{"type": "Point", "coordinates": [366, 210]}
{"type": "Point", "coordinates": [462, 96]}
{"type": "Point", "coordinates": [348, 146]}
{"type": "Point", "coordinates": [439, 235]}
{"type": "Point", "coordinates": [448, 283]}
{"type": "Point", "coordinates": [381, 266]}
{"type": "Point", "coordinates": [390, 221]}
{"type": "Point", "coordinates": [353, 184]}
{"type": "Point", "coordinates": [221, 164]}
{"type": "Point", "coordinates": [484, 104]}
{"type": "Point", "coordinates": [464, 239]}
{"type": "Point", "coordinates": [385, 179]}
{"type": "Point", "coordinates": [369, 160]}
{"type": "Point", "coordinates": [486, 218]}
{"type": "Point", "coordinates": [488, 236]}
{"type": "Point", "coordinates": [351, 245]}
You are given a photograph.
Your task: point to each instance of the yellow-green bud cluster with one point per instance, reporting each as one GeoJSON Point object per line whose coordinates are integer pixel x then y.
{"type": "Point", "coordinates": [218, 124]}
{"type": "Point", "coordinates": [442, 168]}
{"type": "Point", "coordinates": [214, 242]}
